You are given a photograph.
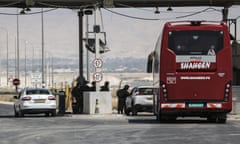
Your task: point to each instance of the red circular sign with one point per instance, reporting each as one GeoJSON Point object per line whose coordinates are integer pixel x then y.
{"type": "Point", "coordinates": [16, 82]}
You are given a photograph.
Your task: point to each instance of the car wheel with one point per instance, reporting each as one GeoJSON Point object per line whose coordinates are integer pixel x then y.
{"type": "Point", "coordinates": [20, 113]}
{"type": "Point", "coordinates": [16, 114]}
{"type": "Point", "coordinates": [134, 111]}
{"type": "Point", "coordinates": [53, 113]}
{"type": "Point", "coordinates": [47, 114]}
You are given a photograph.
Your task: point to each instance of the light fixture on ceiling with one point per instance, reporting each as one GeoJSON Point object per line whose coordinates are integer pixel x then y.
{"type": "Point", "coordinates": [27, 9]}
{"type": "Point", "coordinates": [157, 11]}
{"type": "Point", "coordinates": [22, 11]}
{"type": "Point", "coordinates": [169, 8]}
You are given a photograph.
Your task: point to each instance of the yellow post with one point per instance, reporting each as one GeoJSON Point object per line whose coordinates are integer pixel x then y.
{"type": "Point", "coordinates": [68, 101]}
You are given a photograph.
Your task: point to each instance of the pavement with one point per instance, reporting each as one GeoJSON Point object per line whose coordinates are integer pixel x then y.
{"type": "Point", "coordinates": [114, 115]}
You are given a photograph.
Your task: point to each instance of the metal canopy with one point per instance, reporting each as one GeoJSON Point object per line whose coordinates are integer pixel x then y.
{"type": "Point", "coordinates": [115, 3]}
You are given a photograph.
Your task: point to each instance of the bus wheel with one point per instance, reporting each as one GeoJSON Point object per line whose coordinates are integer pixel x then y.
{"type": "Point", "coordinates": [211, 119]}
{"type": "Point", "coordinates": [161, 118]}
{"type": "Point", "coordinates": [222, 118]}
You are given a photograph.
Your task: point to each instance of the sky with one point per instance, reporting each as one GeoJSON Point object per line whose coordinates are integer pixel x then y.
{"type": "Point", "coordinates": [126, 37]}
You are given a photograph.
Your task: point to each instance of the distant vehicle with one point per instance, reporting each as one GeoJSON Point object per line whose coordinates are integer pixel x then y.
{"type": "Point", "coordinates": [192, 68]}
{"type": "Point", "coordinates": [140, 100]}
{"type": "Point", "coordinates": [34, 101]}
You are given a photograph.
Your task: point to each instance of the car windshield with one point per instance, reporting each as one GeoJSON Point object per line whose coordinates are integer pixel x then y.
{"type": "Point", "coordinates": [37, 91]}
{"type": "Point", "coordinates": [195, 42]}
{"type": "Point", "coordinates": [145, 91]}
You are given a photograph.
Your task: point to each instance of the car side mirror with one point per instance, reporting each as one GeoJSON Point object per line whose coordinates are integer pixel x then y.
{"type": "Point", "coordinates": [137, 93]}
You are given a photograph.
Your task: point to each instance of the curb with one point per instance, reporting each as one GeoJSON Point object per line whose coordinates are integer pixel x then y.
{"type": "Point", "coordinates": [5, 102]}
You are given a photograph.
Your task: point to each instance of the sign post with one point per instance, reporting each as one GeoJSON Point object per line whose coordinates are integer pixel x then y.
{"type": "Point", "coordinates": [97, 62]}
{"type": "Point", "coordinates": [16, 82]}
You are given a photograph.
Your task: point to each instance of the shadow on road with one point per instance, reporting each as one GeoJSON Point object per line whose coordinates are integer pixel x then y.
{"type": "Point", "coordinates": [150, 119]}
{"type": "Point", "coordinates": [7, 116]}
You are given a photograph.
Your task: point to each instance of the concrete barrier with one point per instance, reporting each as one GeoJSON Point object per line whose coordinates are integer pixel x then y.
{"type": "Point", "coordinates": [97, 102]}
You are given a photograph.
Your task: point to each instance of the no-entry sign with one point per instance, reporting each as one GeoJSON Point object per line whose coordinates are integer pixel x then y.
{"type": "Point", "coordinates": [16, 82]}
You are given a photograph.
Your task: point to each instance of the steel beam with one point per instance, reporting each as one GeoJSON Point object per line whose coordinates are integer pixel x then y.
{"type": "Point", "coordinates": [116, 3]}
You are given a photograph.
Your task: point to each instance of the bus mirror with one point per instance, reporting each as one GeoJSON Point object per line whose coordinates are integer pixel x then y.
{"type": "Point", "coordinates": [150, 62]}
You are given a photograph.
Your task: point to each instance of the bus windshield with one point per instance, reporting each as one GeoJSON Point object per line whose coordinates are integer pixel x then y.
{"type": "Point", "coordinates": [195, 42]}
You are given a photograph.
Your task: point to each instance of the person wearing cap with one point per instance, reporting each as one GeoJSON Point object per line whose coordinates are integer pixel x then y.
{"type": "Point", "coordinates": [122, 95]}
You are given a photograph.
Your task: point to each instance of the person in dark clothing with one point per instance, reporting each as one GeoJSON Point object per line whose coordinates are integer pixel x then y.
{"type": "Point", "coordinates": [77, 93]}
{"type": "Point", "coordinates": [105, 87]}
{"type": "Point", "coordinates": [76, 98]}
{"type": "Point", "coordinates": [122, 95]}
{"type": "Point", "coordinates": [83, 88]}
{"type": "Point", "coordinates": [93, 88]}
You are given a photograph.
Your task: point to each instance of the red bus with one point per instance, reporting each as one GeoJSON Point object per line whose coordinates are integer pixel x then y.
{"type": "Point", "coordinates": [192, 70]}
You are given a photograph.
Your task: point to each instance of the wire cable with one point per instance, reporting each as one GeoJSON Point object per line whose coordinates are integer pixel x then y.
{"type": "Point", "coordinates": [127, 6]}
{"type": "Point", "coordinates": [45, 11]}
{"type": "Point", "coordinates": [10, 4]}
{"type": "Point", "coordinates": [198, 12]}
{"type": "Point", "coordinates": [67, 7]}
{"type": "Point", "coordinates": [140, 18]}
{"type": "Point", "coordinates": [155, 19]}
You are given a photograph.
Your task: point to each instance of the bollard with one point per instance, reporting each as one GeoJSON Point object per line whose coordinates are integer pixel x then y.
{"type": "Point", "coordinates": [97, 107]}
{"type": "Point", "coordinates": [61, 106]}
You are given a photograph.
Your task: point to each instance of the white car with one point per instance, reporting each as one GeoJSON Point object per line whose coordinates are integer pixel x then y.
{"type": "Point", "coordinates": [34, 101]}
{"type": "Point", "coordinates": [140, 100]}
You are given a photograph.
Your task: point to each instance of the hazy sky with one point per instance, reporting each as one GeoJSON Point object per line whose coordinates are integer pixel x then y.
{"type": "Point", "coordinates": [126, 37]}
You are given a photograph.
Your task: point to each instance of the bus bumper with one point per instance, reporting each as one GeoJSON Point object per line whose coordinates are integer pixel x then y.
{"type": "Point", "coordinates": [195, 109]}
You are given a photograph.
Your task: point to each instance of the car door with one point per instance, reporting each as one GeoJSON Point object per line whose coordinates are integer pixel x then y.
{"type": "Point", "coordinates": [133, 95]}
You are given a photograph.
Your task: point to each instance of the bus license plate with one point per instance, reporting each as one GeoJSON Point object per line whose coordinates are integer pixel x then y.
{"type": "Point", "coordinates": [195, 105]}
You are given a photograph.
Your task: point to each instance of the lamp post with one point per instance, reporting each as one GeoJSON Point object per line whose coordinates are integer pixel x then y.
{"type": "Point", "coordinates": [25, 63]}
{"type": "Point", "coordinates": [17, 75]}
{"type": "Point", "coordinates": [6, 48]}
{"type": "Point", "coordinates": [43, 81]}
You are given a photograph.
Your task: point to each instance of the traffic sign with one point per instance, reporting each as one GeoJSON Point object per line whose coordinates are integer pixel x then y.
{"type": "Point", "coordinates": [97, 76]}
{"type": "Point", "coordinates": [36, 77]}
{"type": "Point", "coordinates": [98, 63]}
{"type": "Point", "coordinates": [16, 82]}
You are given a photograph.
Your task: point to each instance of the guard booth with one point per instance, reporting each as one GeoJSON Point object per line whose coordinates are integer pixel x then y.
{"type": "Point", "coordinates": [236, 76]}
{"type": "Point", "coordinates": [236, 62]}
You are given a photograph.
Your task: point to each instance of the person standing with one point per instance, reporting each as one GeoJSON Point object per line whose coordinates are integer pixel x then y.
{"type": "Point", "coordinates": [122, 95]}
{"type": "Point", "coordinates": [83, 88]}
{"type": "Point", "coordinates": [93, 87]}
{"type": "Point", "coordinates": [105, 87]}
{"type": "Point", "coordinates": [76, 92]}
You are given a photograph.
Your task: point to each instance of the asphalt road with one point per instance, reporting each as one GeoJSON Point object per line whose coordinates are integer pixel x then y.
{"type": "Point", "coordinates": [112, 129]}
